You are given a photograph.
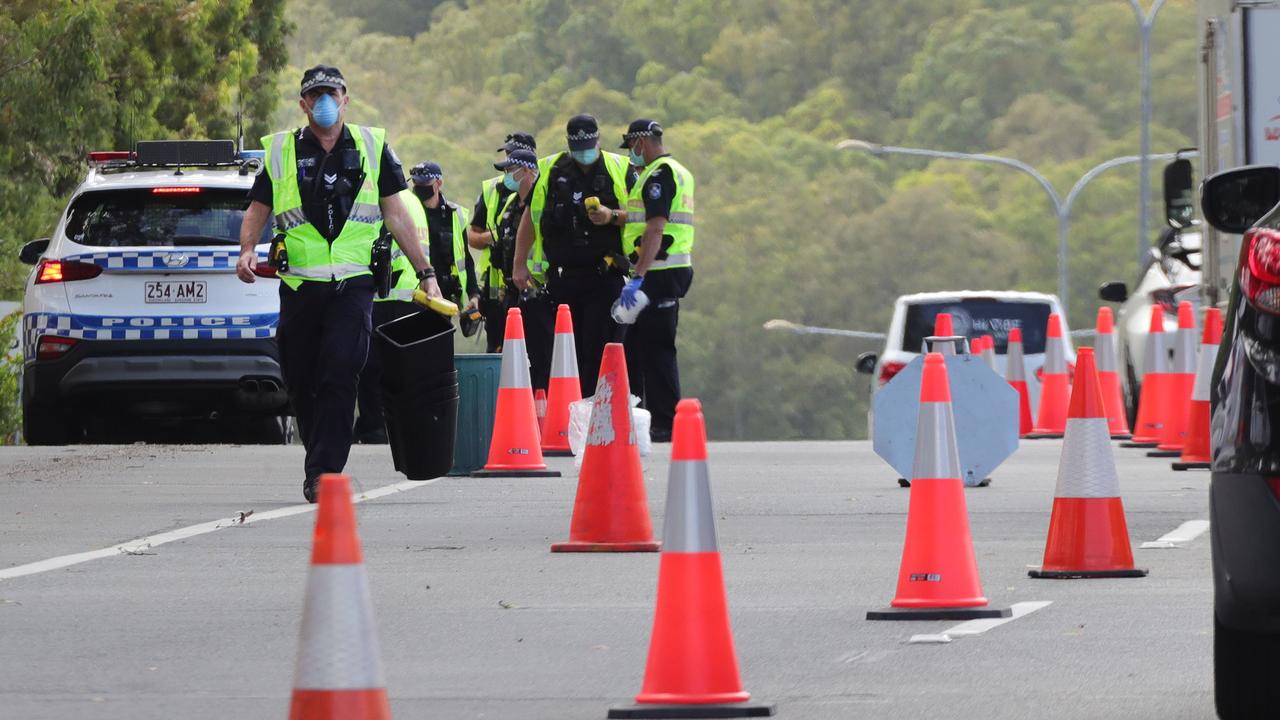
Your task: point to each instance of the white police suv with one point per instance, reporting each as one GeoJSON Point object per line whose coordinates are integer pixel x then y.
{"type": "Point", "coordinates": [133, 316]}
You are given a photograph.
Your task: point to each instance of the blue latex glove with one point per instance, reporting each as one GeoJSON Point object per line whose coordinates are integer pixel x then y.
{"type": "Point", "coordinates": [628, 297]}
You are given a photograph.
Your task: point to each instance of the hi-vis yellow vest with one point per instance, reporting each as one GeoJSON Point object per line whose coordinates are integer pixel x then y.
{"type": "Point", "coordinates": [679, 220]}
{"type": "Point", "coordinates": [408, 281]}
{"type": "Point", "coordinates": [617, 167]}
{"type": "Point", "coordinates": [311, 257]}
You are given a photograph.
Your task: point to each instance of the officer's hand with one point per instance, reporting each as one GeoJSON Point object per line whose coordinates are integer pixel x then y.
{"type": "Point", "coordinates": [431, 288]}
{"type": "Point", "coordinates": [473, 304]}
{"type": "Point", "coordinates": [601, 215]}
{"type": "Point", "coordinates": [520, 277]}
{"type": "Point", "coordinates": [245, 265]}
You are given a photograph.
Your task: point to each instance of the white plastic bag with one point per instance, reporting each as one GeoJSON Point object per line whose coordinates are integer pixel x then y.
{"type": "Point", "coordinates": [580, 420]}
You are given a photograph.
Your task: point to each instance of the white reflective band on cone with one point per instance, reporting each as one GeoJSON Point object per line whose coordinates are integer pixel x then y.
{"type": "Point", "coordinates": [689, 525]}
{"type": "Point", "coordinates": [1157, 360]}
{"type": "Point", "coordinates": [564, 359]}
{"type": "Point", "coordinates": [1055, 356]}
{"type": "Point", "coordinates": [1105, 352]}
{"type": "Point", "coordinates": [1015, 366]}
{"type": "Point", "coordinates": [1184, 355]}
{"type": "Point", "coordinates": [515, 366]}
{"type": "Point", "coordinates": [1204, 373]}
{"type": "Point", "coordinates": [1087, 469]}
{"type": "Point", "coordinates": [936, 454]}
{"type": "Point", "coordinates": [339, 646]}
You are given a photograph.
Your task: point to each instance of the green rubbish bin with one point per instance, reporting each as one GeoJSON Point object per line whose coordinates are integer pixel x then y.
{"type": "Point", "coordinates": [478, 375]}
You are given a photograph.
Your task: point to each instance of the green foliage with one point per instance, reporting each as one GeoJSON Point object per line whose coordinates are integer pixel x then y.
{"type": "Point", "coordinates": [754, 95]}
{"type": "Point", "coordinates": [10, 372]}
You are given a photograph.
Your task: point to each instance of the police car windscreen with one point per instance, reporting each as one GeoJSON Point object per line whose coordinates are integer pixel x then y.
{"type": "Point", "coordinates": [976, 317]}
{"type": "Point", "coordinates": [159, 217]}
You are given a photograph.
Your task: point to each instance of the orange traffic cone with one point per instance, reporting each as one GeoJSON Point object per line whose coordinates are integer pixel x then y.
{"type": "Point", "coordinates": [938, 579]}
{"type": "Point", "coordinates": [1088, 537]}
{"type": "Point", "coordinates": [1181, 381]}
{"type": "Point", "coordinates": [565, 388]}
{"type": "Point", "coordinates": [692, 671]}
{"type": "Point", "coordinates": [610, 512]}
{"type": "Point", "coordinates": [540, 409]}
{"type": "Point", "coordinates": [988, 351]}
{"type": "Point", "coordinates": [339, 674]}
{"type": "Point", "coordinates": [1015, 373]}
{"type": "Point", "coordinates": [1055, 387]}
{"type": "Point", "coordinates": [515, 449]}
{"type": "Point", "coordinates": [1195, 451]}
{"type": "Point", "coordinates": [1109, 376]}
{"type": "Point", "coordinates": [1148, 428]}
{"type": "Point", "coordinates": [942, 328]}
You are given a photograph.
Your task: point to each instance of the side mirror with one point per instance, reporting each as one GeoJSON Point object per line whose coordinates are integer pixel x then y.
{"type": "Point", "coordinates": [31, 252]}
{"type": "Point", "coordinates": [1113, 292]}
{"type": "Point", "coordinates": [1233, 201]}
{"type": "Point", "coordinates": [866, 363]}
{"type": "Point", "coordinates": [1179, 194]}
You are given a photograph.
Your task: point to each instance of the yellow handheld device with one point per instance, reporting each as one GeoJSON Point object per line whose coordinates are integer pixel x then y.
{"type": "Point", "coordinates": [440, 305]}
{"type": "Point", "coordinates": [592, 203]}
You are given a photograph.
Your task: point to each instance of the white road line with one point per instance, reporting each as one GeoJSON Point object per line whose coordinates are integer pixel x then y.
{"type": "Point", "coordinates": [142, 544]}
{"type": "Point", "coordinates": [977, 627]}
{"type": "Point", "coordinates": [1184, 533]}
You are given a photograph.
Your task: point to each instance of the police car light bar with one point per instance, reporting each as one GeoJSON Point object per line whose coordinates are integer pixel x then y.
{"type": "Point", "coordinates": [105, 155]}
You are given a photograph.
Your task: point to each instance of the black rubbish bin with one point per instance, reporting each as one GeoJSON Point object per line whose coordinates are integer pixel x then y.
{"type": "Point", "coordinates": [419, 393]}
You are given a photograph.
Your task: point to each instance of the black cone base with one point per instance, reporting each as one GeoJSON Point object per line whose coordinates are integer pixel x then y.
{"type": "Point", "coordinates": [515, 473]}
{"type": "Point", "coordinates": [1165, 453]}
{"type": "Point", "coordinates": [962, 613]}
{"type": "Point", "coordinates": [674, 712]}
{"type": "Point", "coordinates": [557, 453]}
{"type": "Point", "coordinates": [1138, 444]}
{"type": "Point", "coordinates": [1043, 436]}
{"type": "Point", "coordinates": [1085, 574]}
{"type": "Point", "coordinates": [1191, 466]}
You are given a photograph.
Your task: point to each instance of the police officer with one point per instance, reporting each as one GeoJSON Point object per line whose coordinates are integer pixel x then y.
{"type": "Point", "coordinates": [520, 174]}
{"type": "Point", "coordinates": [330, 186]}
{"type": "Point", "coordinates": [659, 235]}
{"type": "Point", "coordinates": [581, 248]}
{"type": "Point", "coordinates": [482, 234]}
{"type": "Point", "coordinates": [446, 235]}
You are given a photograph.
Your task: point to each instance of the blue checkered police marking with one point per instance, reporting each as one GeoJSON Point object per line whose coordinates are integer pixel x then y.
{"type": "Point", "coordinates": [175, 260]}
{"type": "Point", "coordinates": [150, 327]}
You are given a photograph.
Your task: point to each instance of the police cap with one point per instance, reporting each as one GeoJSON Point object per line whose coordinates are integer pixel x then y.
{"type": "Point", "coordinates": [518, 159]}
{"type": "Point", "coordinates": [325, 76]}
{"type": "Point", "coordinates": [583, 132]}
{"type": "Point", "coordinates": [425, 172]}
{"type": "Point", "coordinates": [519, 141]}
{"type": "Point", "coordinates": [643, 127]}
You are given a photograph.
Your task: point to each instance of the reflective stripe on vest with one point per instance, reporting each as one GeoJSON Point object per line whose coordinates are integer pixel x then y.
{"type": "Point", "coordinates": [311, 256]}
{"type": "Point", "coordinates": [399, 261]}
{"type": "Point", "coordinates": [679, 219]}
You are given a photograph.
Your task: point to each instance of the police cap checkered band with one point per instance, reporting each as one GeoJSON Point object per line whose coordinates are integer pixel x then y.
{"type": "Point", "coordinates": [518, 158]}
{"type": "Point", "coordinates": [519, 141]}
{"type": "Point", "coordinates": [582, 132]}
{"type": "Point", "coordinates": [641, 128]}
{"type": "Point", "coordinates": [426, 172]}
{"type": "Point", "coordinates": [322, 76]}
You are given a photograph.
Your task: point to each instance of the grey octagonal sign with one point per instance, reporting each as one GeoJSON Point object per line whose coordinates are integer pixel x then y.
{"type": "Point", "coordinates": [985, 409]}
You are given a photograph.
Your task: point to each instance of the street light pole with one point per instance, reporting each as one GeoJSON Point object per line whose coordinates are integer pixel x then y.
{"type": "Point", "coordinates": [1146, 20]}
{"type": "Point", "coordinates": [1061, 206]}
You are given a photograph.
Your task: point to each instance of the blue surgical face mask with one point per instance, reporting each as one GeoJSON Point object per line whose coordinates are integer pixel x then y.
{"type": "Point", "coordinates": [636, 158]}
{"type": "Point", "coordinates": [510, 182]}
{"type": "Point", "coordinates": [586, 157]}
{"type": "Point", "coordinates": [325, 111]}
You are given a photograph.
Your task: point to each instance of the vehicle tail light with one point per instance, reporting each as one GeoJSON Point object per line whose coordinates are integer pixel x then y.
{"type": "Point", "coordinates": [265, 270]}
{"type": "Point", "coordinates": [54, 271]}
{"type": "Point", "coordinates": [889, 369]}
{"type": "Point", "coordinates": [1274, 482]}
{"type": "Point", "coordinates": [186, 190]}
{"type": "Point", "coordinates": [52, 347]}
{"type": "Point", "coordinates": [1260, 272]}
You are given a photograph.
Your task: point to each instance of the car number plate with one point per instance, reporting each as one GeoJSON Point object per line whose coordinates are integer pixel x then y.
{"type": "Point", "coordinates": [187, 291]}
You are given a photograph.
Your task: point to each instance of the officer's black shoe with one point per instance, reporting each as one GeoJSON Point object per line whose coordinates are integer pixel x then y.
{"type": "Point", "coordinates": [311, 489]}
{"type": "Point", "coordinates": [660, 435]}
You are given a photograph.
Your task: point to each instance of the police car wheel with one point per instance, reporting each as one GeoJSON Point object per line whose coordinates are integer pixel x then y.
{"type": "Point", "coordinates": [46, 426]}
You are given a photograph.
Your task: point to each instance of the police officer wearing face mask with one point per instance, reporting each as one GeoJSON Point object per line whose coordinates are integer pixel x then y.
{"type": "Point", "coordinates": [446, 234]}
{"type": "Point", "coordinates": [520, 174]}
{"type": "Point", "coordinates": [659, 235]}
{"type": "Point", "coordinates": [330, 187]}
{"type": "Point", "coordinates": [580, 247]}
{"type": "Point", "coordinates": [482, 235]}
